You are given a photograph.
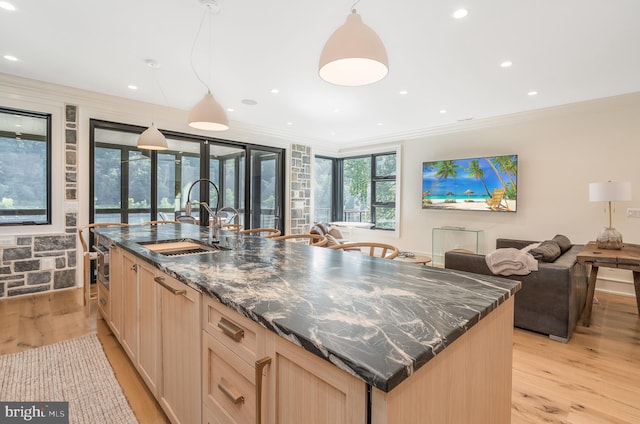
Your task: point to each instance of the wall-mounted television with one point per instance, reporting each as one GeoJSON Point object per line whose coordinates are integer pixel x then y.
{"type": "Point", "coordinates": [479, 184]}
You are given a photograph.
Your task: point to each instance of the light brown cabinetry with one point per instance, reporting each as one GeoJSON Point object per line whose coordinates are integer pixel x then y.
{"type": "Point", "coordinates": [232, 344]}
{"type": "Point", "coordinates": [180, 332]}
{"type": "Point", "coordinates": [293, 387]}
{"type": "Point", "coordinates": [149, 346]}
{"type": "Point", "coordinates": [115, 290]}
{"type": "Point", "coordinates": [129, 330]}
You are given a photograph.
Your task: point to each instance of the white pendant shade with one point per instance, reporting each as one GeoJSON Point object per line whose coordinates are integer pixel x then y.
{"type": "Point", "coordinates": [354, 55]}
{"type": "Point", "coordinates": [208, 115]}
{"type": "Point", "coordinates": [152, 139]}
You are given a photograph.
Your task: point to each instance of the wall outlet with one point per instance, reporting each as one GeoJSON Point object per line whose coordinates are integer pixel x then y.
{"type": "Point", "coordinates": [633, 212]}
{"type": "Point", "coordinates": [48, 263]}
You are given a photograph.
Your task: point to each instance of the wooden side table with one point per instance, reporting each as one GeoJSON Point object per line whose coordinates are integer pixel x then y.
{"type": "Point", "coordinates": [626, 258]}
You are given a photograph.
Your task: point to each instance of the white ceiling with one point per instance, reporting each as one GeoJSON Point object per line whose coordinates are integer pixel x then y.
{"type": "Point", "coordinates": [566, 50]}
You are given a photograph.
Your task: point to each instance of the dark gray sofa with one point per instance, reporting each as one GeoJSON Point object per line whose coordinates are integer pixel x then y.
{"type": "Point", "coordinates": [550, 300]}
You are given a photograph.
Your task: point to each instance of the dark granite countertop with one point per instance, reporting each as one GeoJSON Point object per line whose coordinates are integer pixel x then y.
{"type": "Point", "coordinates": [377, 319]}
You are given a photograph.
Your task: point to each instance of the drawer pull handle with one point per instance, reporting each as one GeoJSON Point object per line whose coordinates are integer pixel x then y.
{"type": "Point", "coordinates": [103, 300]}
{"type": "Point", "coordinates": [134, 267]}
{"type": "Point", "coordinates": [260, 364]}
{"type": "Point", "coordinates": [160, 280]}
{"type": "Point", "coordinates": [229, 393]}
{"type": "Point", "coordinates": [230, 329]}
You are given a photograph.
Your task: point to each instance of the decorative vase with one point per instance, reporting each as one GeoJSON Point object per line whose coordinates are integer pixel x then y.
{"type": "Point", "coordinates": [609, 238]}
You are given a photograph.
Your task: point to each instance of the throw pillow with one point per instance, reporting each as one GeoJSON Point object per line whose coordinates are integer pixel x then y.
{"type": "Point", "coordinates": [336, 233]}
{"type": "Point", "coordinates": [548, 251]}
{"type": "Point", "coordinates": [324, 227]}
{"type": "Point", "coordinates": [563, 242]}
{"type": "Point", "coordinates": [527, 248]}
{"type": "Point", "coordinates": [331, 241]}
{"type": "Point", "coordinates": [316, 230]}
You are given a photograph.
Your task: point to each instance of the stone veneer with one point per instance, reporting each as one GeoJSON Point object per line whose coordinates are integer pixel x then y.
{"type": "Point", "coordinates": [300, 214]}
{"type": "Point", "coordinates": [22, 262]}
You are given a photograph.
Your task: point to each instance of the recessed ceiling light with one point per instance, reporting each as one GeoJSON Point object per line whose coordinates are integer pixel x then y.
{"type": "Point", "coordinates": [230, 109]}
{"type": "Point", "coordinates": [403, 92]}
{"type": "Point", "coordinates": [443, 111]}
{"type": "Point", "coordinates": [11, 58]}
{"type": "Point", "coordinates": [153, 64]}
{"type": "Point", "coordinates": [333, 133]}
{"type": "Point", "coordinates": [7, 6]}
{"type": "Point", "coordinates": [249, 102]}
{"type": "Point", "coordinates": [460, 13]}
{"type": "Point", "coordinates": [379, 124]}
{"type": "Point", "coordinates": [506, 64]}
{"type": "Point", "coordinates": [532, 93]}
{"type": "Point", "coordinates": [336, 110]}
{"type": "Point", "coordinates": [275, 91]}
{"type": "Point", "coordinates": [289, 123]}
{"type": "Point", "coordinates": [132, 87]}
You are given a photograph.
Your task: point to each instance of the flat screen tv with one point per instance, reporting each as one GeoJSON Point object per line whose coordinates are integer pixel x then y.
{"type": "Point", "coordinates": [477, 184]}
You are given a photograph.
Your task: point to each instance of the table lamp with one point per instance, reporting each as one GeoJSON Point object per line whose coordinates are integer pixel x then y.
{"type": "Point", "coordinates": [609, 237]}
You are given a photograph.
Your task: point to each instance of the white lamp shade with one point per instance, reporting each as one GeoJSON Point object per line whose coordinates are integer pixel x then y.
{"type": "Point", "coordinates": [152, 139]}
{"type": "Point", "coordinates": [610, 192]}
{"type": "Point", "coordinates": [208, 115]}
{"type": "Point", "coordinates": [354, 55]}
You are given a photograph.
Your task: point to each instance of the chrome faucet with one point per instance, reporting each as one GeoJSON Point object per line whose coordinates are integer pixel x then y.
{"type": "Point", "coordinates": [187, 209]}
{"type": "Point", "coordinates": [217, 220]}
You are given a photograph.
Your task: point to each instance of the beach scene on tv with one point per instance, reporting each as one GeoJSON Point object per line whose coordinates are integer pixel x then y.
{"type": "Point", "coordinates": [485, 184]}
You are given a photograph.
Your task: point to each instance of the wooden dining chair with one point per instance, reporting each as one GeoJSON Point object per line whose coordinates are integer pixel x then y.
{"type": "Point", "coordinates": [266, 232]}
{"type": "Point", "coordinates": [160, 222]}
{"type": "Point", "coordinates": [90, 255]}
{"type": "Point", "coordinates": [310, 239]}
{"type": "Point", "coordinates": [381, 250]}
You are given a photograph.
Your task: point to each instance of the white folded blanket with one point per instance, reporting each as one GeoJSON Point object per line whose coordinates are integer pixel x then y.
{"type": "Point", "coordinates": [511, 261]}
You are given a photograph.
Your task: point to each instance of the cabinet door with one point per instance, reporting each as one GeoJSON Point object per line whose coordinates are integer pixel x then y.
{"type": "Point", "coordinates": [180, 391]}
{"type": "Point", "coordinates": [130, 307]}
{"type": "Point", "coordinates": [115, 290]}
{"type": "Point", "coordinates": [149, 331]}
{"type": "Point", "coordinates": [309, 390]}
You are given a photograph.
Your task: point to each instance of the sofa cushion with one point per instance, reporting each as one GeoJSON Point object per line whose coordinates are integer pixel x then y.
{"type": "Point", "coordinates": [548, 251]}
{"type": "Point", "coordinates": [316, 230]}
{"type": "Point", "coordinates": [324, 227]}
{"type": "Point", "coordinates": [336, 233]}
{"type": "Point", "coordinates": [563, 242]}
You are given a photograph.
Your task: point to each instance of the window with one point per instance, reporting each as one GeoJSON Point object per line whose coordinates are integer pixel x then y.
{"type": "Point", "coordinates": [25, 168]}
{"type": "Point", "coordinates": [132, 185]}
{"type": "Point", "coordinates": [323, 189]}
{"type": "Point", "coordinates": [356, 189]}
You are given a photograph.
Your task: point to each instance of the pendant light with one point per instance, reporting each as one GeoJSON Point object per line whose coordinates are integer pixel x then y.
{"type": "Point", "coordinates": [207, 114]}
{"type": "Point", "coordinates": [354, 55]}
{"type": "Point", "coordinates": [152, 138]}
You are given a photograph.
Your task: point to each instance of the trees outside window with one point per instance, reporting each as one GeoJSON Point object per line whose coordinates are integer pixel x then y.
{"type": "Point", "coordinates": [25, 167]}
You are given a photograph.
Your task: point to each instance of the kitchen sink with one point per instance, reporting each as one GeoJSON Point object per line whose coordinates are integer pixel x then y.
{"type": "Point", "coordinates": [182, 247]}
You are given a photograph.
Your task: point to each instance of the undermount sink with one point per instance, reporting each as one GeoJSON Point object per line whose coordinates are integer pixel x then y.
{"type": "Point", "coordinates": [182, 247]}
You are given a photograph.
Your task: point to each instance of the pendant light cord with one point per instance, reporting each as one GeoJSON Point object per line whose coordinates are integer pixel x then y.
{"type": "Point", "coordinates": [353, 6]}
{"type": "Point", "coordinates": [193, 47]}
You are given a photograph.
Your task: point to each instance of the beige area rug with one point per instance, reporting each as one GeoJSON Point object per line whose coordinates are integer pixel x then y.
{"type": "Point", "coordinates": [76, 371]}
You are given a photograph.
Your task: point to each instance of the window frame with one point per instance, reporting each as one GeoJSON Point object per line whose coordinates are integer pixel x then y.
{"type": "Point", "coordinates": [48, 140]}
{"type": "Point", "coordinates": [338, 186]}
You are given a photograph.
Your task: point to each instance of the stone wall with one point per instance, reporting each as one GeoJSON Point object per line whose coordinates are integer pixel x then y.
{"type": "Point", "coordinates": [300, 212]}
{"type": "Point", "coordinates": [39, 263]}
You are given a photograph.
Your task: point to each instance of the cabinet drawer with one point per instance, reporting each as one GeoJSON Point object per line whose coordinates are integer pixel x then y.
{"type": "Point", "coordinates": [104, 302]}
{"type": "Point", "coordinates": [229, 382]}
{"type": "Point", "coordinates": [238, 333]}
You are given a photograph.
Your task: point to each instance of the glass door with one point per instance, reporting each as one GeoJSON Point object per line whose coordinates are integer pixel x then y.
{"type": "Point", "coordinates": [266, 177]}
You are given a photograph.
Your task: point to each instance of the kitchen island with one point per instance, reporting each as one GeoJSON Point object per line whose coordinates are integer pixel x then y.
{"type": "Point", "coordinates": [416, 344]}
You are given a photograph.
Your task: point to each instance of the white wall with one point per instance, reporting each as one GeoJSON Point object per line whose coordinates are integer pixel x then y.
{"type": "Point", "coordinates": [560, 151]}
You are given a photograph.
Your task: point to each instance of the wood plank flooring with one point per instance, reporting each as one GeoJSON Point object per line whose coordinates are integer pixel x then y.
{"type": "Point", "coordinates": [595, 378]}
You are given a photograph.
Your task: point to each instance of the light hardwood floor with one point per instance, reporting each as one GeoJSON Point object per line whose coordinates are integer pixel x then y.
{"type": "Point", "coordinates": [595, 378]}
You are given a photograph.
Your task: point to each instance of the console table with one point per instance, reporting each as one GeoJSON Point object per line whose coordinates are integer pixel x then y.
{"type": "Point", "coordinates": [446, 238]}
{"type": "Point", "coordinates": [626, 258]}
